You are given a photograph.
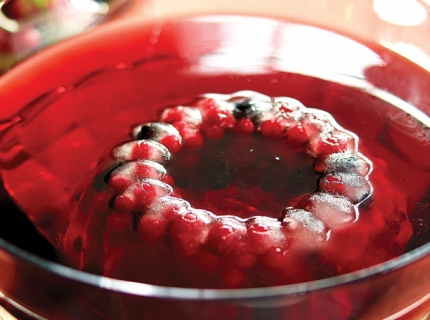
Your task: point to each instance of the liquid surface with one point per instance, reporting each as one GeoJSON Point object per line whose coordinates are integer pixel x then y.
{"type": "Point", "coordinates": [280, 172]}
{"type": "Point", "coordinates": [85, 119]}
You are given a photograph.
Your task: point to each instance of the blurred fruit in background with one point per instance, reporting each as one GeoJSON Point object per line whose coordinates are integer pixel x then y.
{"type": "Point", "coordinates": [27, 26]}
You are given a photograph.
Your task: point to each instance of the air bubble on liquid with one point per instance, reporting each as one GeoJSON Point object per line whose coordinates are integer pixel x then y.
{"type": "Point", "coordinates": [64, 88]}
{"type": "Point", "coordinates": [123, 65]}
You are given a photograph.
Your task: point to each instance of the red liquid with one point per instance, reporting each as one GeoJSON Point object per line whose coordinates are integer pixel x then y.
{"type": "Point", "coordinates": [85, 118]}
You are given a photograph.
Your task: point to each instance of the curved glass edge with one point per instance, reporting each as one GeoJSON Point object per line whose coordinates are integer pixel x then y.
{"type": "Point", "coordinates": [17, 308]}
{"type": "Point", "coordinates": [154, 291]}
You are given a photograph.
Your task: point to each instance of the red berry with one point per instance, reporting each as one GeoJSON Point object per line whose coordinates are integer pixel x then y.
{"type": "Point", "coordinates": [124, 202]}
{"type": "Point", "coordinates": [262, 236]}
{"type": "Point", "coordinates": [119, 182]}
{"type": "Point", "coordinates": [152, 228]}
{"type": "Point", "coordinates": [172, 142]}
{"type": "Point", "coordinates": [244, 126]}
{"type": "Point", "coordinates": [272, 129]}
{"type": "Point", "coordinates": [207, 261]}
{"type": "Point", "coordinates": [186, 234]}
{"type": "Point", "coordinates": [180, 113]}
{"type": "Point", "coordinates": [149, 190]}
{"type": "Point", "coordinates": [232, 277]}
{"type": "Point", "coordinates": [230, 244]}
{"type": "Point", "coordinates": [168, 179]}
{"type": "Point", "coordinates": [218, 118]}
{"type": "Point", "coordinates": [194, 141]}
{"type": "Point", "coordinates": [214, 133]}
{"type": "Point", "coordinates": [276, 258]}
{"type": "Point", "coordinates": [297, 134]}
{"type": "Point", "coordinates": [146, 149]}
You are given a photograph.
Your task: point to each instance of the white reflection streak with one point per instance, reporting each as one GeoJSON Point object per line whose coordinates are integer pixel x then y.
{"type": "Point", "coordinates": [410, 52]}
{"type": "Point", "coordinates": [246, 45]}
{"type": "Point", "coordinates": [309, 50]}
{"type": "Point", "coordinates": [400, 12]}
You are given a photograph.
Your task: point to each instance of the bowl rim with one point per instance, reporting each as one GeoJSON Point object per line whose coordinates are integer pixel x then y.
{"type": "Point", "coordinates": [178, 293]}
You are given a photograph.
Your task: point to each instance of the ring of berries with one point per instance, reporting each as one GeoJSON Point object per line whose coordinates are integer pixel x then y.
{"type": "Point", "coordinates": [143, 186]}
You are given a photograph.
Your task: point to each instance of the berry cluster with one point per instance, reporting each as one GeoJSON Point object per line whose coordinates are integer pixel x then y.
{"type": "Point", "coordinates": [143, 187]}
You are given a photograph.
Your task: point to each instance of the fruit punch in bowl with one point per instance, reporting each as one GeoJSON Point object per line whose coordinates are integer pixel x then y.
{"type": "Point", "coordinates": [200, 166]}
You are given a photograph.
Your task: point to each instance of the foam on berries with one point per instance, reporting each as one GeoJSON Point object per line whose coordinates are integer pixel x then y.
{"type": "Point", "coordinates": [141, 185]}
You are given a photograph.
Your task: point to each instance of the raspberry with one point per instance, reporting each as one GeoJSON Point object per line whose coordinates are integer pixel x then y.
{"type": "Point", "coordinates": [332, 210]}
{"type": "Point", "coordinates": [137, 150]}
{"type": "Point", "coordinates": [178, 114]}
{"type": "Point", "coordinates": [276, 258]}
{"type": "Point", "coordinates": [172, 142]}
{"type": "Point", "coordinates": [264, 234]}
{"type": "Point", "coordinates": [186, 234]}
{"type": "Point", "coordinates": [214, 133]}
{"type": "Point", "coordinates": [218, 118]}
{"type": "Point", "coordinates": [168, 179]}
{"type": "Point", "coordinates": [132, 172]}
{"type": "Point", "coordinates": [158, 215]}
{"type": "Point", "coordinates": [152, 228]}
{"type": "Point", "coordinates": [232, 277]}
{"type": "Point", "coordinates": [190, 134]}
{"type": "Point", "coordinates": [141, 194]}
{"type": "Point", "coordinates": [353, 186]}
{"type": "Point", "coordinates": [297, 134]}
{"type": "Point", "coordinates": [343, 162]}
{"type": "Point", "coordinates": [164, 133]}
{"type": "Point", "coordinates": [306, 218]}
{"type": "Point", "coordinates": [272, 129]}
{"type": "Point", "coordinates": [244, 126]}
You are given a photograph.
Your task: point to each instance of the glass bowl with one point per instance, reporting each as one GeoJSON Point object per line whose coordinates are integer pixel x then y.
{"type": "Point", "coordinates": [34, 285]}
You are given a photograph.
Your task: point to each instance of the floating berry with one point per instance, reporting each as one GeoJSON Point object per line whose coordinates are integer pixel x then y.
{"type": "Point", "coordinates": [306, 218]}
{"type": "Point", "coordinates": [343, 162]}
{"type": "Point", "coordinates": [353, 186]}
{"type": "Point", "coordinates": [143, 149]}
{"type": "Point", "coordinates": [152, 228]}
{"type": "Point", "coordinates": [297, 134]}
{"type": "Point", "coordinates": [180, 113]}
{"type": "Point", "coordinates": [232, 277]}
{"type": "Point", "coordinates": [218, 117]}
{"type": "Point", "coordinates": [250, 107]}
{"type": "Point", "coordinates": [164, 133]}
{"type": "Point", "coordinates": [135, 171]}
{"type": "Point", "coordinates": [186, 234]}
{"type": "Point", "coordinates": [332, 210]}
{"type": "Point", "coordinates": [168, 179]}
{"type": "Point", "coordinates": [264, 233]}
{"type": "Point", "coordinates": [272, 129]}
{"type": "Point", "coordinates": [244, 126]}
{"type": "Point", "coordinates": [141, 194]}
{"type": "Point", "coordinates": [153, 223]}
{"type": "Point", "coordinates": [214, 133]}
{"type": "Point", "coordinates": [190, 134]}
